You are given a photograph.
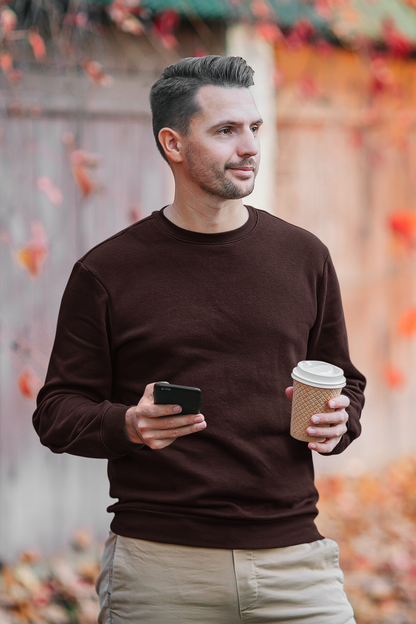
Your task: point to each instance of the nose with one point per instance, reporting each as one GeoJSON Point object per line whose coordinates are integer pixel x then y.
{"type": "Point", "coordinates": [248, 145]}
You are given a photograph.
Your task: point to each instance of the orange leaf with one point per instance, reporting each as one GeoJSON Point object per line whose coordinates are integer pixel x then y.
{"type": "Point", "coordinates": [6, 61]}
{"type": "Point", "coordinates": [28, 383]}
{"type": "Point", "coordinates": [38, 45]}
{"type": "Point", "coordinates": [32, 256]}
{"type": "Point", "coordinates": [407, 323]}
{"type": "Point", "coordinates": [81, 160]}
{"type": "Point", "coordinates": [82, 178]}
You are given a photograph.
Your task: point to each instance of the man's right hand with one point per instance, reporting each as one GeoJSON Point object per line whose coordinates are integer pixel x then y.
{"type": "Point", "coordinates": [157, 426]}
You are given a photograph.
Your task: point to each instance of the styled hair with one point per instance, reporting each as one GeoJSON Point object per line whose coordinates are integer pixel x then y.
{"type": "Point", "coordinates": [173, 96]}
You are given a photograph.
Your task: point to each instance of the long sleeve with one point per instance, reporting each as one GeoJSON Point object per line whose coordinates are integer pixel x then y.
{"type": "Point", "coordinates": [74, 410]}
{"type": "Point", "coordinates": [328, 342]}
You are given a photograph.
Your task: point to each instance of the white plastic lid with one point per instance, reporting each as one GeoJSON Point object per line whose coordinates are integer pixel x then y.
{"type": "Point", "coordinates": [319, 374]}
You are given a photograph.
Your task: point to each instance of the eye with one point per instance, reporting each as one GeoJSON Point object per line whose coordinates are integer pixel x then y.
{"type": "Point", "coordinates": [225, 131]}
{"type": "Point", "coordinates": [255, 129]}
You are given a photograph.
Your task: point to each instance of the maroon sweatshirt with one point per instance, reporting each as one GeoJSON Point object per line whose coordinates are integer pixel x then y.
{"type": "Point", "coordinates": [231, 313]}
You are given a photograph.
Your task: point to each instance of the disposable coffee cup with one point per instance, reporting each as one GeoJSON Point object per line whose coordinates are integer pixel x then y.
{"type": "Point", "coordinates": [314, 384]}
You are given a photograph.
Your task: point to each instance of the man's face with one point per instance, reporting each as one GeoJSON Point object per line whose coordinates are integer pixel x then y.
{"type": "Point", "coordinates": [222, 151]}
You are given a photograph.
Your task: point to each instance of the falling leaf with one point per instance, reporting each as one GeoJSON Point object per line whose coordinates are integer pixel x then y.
{"type": "Point", "coordinates": [29, 384]}
{"type": "Point", "coordinates": [93, 70]}
{"type": "Point", "coordinates": [402, 224]}
{"type": "Point", "coordinates": [132, 25]}
{"type": "Point", "coordinates": [32, 256]}
{"type": "Point", "coordinates": [121, 12]}
{"type": "Point", "coordinates": [8, 19]}
{"type": "Point", "coordinates": [269, 31]}
{"type": "Point", "coordinates": [394, 376]}
{"type": "Point", "coordinates": [406, 325]}
{"type": "Point", "coordinates": [81, 162]}
{"type": "Point", "coordinates": [164, 26]}
{"type": "Point", "coordinates": [38, 45]}
{"type": "Point", "coordinates": [54, 194]}
{"type": "Point", "coordinates": [6, 61]}
{"type": "Point", "coordinates": [397, 43]}
{"type": "Point", "coordinates": [82, 178]}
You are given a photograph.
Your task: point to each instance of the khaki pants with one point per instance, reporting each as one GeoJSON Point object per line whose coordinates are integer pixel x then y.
{"type": "Point", "coordinates": [156, 583]}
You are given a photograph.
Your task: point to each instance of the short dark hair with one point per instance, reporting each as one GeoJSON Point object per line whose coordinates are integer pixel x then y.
{"type": "Point", "coordinates": [172, 97]}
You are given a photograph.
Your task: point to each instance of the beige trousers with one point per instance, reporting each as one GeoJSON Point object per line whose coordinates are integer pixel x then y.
{"type": "Point", "coordinates": [152, 583]}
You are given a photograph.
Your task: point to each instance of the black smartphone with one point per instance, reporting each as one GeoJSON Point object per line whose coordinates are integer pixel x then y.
{"type": "Point", "coordinates": [187, 397]}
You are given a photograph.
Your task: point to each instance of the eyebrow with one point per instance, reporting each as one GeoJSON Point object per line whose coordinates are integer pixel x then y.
{"type": "Point", "coordinates": [230, 122]}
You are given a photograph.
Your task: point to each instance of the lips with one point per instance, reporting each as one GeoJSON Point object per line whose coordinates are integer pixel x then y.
{"type": "Point", "coordinates": [244, 169]}
{"type": "Point", "coordinates": [245, 172]}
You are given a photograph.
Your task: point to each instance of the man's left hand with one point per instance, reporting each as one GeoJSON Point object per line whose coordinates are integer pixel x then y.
{"type": "Point", "coordinates": [335, 424]}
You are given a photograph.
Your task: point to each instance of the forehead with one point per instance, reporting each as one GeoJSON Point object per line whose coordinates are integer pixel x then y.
{"type": "Point", "coordinates": [225, 103]}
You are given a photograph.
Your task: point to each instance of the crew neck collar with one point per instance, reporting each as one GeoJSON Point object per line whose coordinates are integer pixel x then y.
{"type": "Point", "coordinates": [202, 238]}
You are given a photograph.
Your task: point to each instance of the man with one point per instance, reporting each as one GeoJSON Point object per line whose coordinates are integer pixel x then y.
{"type": "Point", "coordinates": [214, 521]}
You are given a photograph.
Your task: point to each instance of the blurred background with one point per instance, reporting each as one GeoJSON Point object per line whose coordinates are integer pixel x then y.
{"type": "Point", "coordinates": [336, 86]}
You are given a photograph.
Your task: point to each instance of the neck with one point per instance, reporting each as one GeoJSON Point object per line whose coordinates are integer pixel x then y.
{"type": "Point", "coordinates": [207, 216]}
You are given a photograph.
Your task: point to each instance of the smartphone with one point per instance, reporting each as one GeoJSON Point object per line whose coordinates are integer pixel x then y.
{"type": "Point", "coordinates": [187, 397]}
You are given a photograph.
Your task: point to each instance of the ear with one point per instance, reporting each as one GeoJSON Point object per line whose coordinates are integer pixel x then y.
{"type": "Point", "coordinates": [172, 144]}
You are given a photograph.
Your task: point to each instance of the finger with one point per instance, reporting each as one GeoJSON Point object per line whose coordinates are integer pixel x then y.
{"type": "Point", "coordinates": [324, 447]}
{"type": "Point", "coordinates": [173, 422]}
{"type": "Point", "coordinates": [178, 432]}
{"type": "Point", "coordinates": [330, 418]}
{"type": "Point", "coordinates": [327, 432]}
{"type": "Point", "coordinates": [289, 392]}
{"type": "Point", "coordinates": [158, 410]}
{"type": "Point", "coordinates": [160, 438]}
{"type": "Point", "coordinates": [339, 402]}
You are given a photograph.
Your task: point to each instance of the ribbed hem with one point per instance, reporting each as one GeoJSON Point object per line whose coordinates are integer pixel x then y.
{"type": "Point", "coordinates": [212, 533]}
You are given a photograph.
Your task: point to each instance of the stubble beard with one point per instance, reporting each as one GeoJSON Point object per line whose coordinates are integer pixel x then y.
{"type": "Point", "coordinates": [213, 179]}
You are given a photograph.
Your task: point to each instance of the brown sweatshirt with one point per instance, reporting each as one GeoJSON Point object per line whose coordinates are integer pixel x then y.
{"type": "Point", "coordinates": [231, 313]}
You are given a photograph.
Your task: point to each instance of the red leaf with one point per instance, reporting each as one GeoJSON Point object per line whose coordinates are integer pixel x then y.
{"type": "Point", "coordinates": [397, 42]}
{"type": "Point", "coordinates": [403, 225]}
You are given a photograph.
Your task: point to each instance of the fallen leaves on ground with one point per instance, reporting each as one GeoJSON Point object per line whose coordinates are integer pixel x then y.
{"type": "Point", "coordinates": [52, 590]}
{"type": "Point", "coordinates": [373, 519]}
